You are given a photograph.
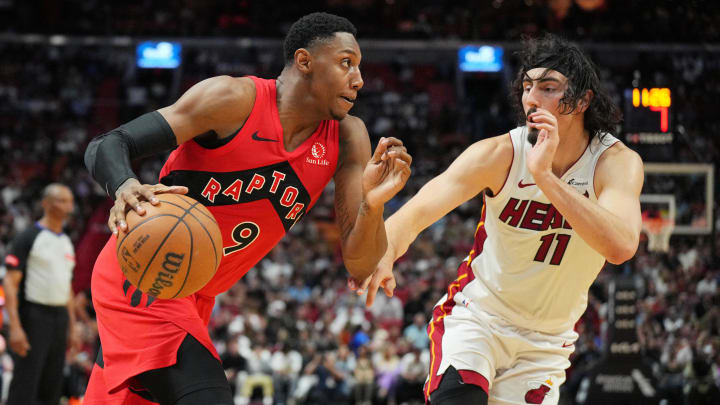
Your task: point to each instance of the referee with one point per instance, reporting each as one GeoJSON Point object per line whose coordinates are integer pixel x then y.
{"type": "Point", "coordinates": [40, 263]}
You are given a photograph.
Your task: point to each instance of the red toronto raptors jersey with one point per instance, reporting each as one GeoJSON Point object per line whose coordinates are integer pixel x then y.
{"type": "Point", "coordinates": [254, 187]}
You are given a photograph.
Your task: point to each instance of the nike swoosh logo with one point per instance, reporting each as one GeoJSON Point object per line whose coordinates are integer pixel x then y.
{"type": "Point", "coordinates": [257, 138]}
{"type": "Point", "coordinates": [523, 185]}
{"type": "Point", "coordinates": [567, 345]}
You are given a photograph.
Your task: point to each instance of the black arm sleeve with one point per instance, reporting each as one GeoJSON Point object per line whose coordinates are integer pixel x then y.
{"type": "Point", "coordinates": [108, 156]}
{"type": "Point", "coordinates": [19, 249]}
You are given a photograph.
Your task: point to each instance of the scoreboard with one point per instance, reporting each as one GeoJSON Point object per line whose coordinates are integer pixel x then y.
{"type": "Point", "coordinates": [648, 115]}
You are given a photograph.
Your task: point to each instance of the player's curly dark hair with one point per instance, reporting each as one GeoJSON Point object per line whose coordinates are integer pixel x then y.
{"type": "Point", "coordinates": [311, 28]}
{"type": "Point", "coordinates": [553, 52]}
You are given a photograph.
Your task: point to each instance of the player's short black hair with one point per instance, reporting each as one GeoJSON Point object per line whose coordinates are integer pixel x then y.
{"type": "Point", "coordinates": [555, 53]}
{"type": "Point", "coordinates": [312, 28]}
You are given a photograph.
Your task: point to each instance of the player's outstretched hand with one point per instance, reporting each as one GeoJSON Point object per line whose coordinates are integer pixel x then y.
{"type": "Point", "coordinates": [381, 277]}
{"type": "Point", "coordinates": [387, 172]}
{"type": "Point", "coordinates": [129, 195]}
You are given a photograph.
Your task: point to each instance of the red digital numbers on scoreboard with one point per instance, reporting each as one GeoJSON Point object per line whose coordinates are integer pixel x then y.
{"type": "Point", "coordinates": [656, 99]}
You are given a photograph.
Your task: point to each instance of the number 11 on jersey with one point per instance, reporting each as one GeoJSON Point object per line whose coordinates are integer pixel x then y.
{"type": "Point", "coordinates": [547, 240]}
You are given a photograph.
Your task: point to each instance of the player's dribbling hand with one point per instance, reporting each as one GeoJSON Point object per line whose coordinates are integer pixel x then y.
{"type": "Point", "coordinates": [386, 173]}
{"type": "Point", "coordinates": [540, 157]}
{"type": "Point", "coordinates": [129, 195]}
{"type": "Point", "coordinates": [381, 277]}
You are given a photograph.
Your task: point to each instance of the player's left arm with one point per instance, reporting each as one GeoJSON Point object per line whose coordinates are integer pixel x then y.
{"type": "Point", "coordinates": [611, 226]}
{"type": "Point", "coordinates": [363, 184]}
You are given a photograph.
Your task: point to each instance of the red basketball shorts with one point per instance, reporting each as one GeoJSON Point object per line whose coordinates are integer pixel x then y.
{"type": "Point", "coordinates": [137, 332]}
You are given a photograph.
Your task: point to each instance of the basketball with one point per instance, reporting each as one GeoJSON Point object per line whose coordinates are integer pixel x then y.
{"type": "Point", "coordinates": [173, 250]}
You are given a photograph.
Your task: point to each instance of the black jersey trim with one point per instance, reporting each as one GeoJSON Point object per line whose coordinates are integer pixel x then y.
{"type": "Point", "coordinates": [288, 211]}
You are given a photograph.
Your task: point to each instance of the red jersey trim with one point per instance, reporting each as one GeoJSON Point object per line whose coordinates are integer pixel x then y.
{"type": "Point", "coordinates": [436, 328]}
{"type": "Point", "coordinates": [475, 378]}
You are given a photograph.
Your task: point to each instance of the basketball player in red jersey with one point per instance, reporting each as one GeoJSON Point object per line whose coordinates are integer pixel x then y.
{"type": "Point", "coordinates": [561, 198]}
{"type": "Point", "coordinates": [258, 154]}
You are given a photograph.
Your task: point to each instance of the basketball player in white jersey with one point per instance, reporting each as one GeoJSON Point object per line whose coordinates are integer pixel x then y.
{"type": "Point", "coordinates": [561, 198]}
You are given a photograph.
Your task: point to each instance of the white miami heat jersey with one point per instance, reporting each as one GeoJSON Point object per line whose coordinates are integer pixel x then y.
{"type": "Point", "coordinates": [529, 265]}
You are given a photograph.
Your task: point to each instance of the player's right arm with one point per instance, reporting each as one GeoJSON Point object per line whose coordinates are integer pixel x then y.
{"type": "Point", "coordinates": [484, 165]}
{"type": "Point", "coordinates": [217, 105]}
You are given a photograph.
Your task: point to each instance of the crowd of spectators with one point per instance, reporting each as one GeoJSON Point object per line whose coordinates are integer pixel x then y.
{"type": "Point", "coordinates": [290, 332]}
{"type": "Point", "coordinates": [596, 20]}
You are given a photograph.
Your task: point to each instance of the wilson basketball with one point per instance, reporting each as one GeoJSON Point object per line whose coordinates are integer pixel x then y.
{"type": "Point", "coordinates": [173, 250]}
